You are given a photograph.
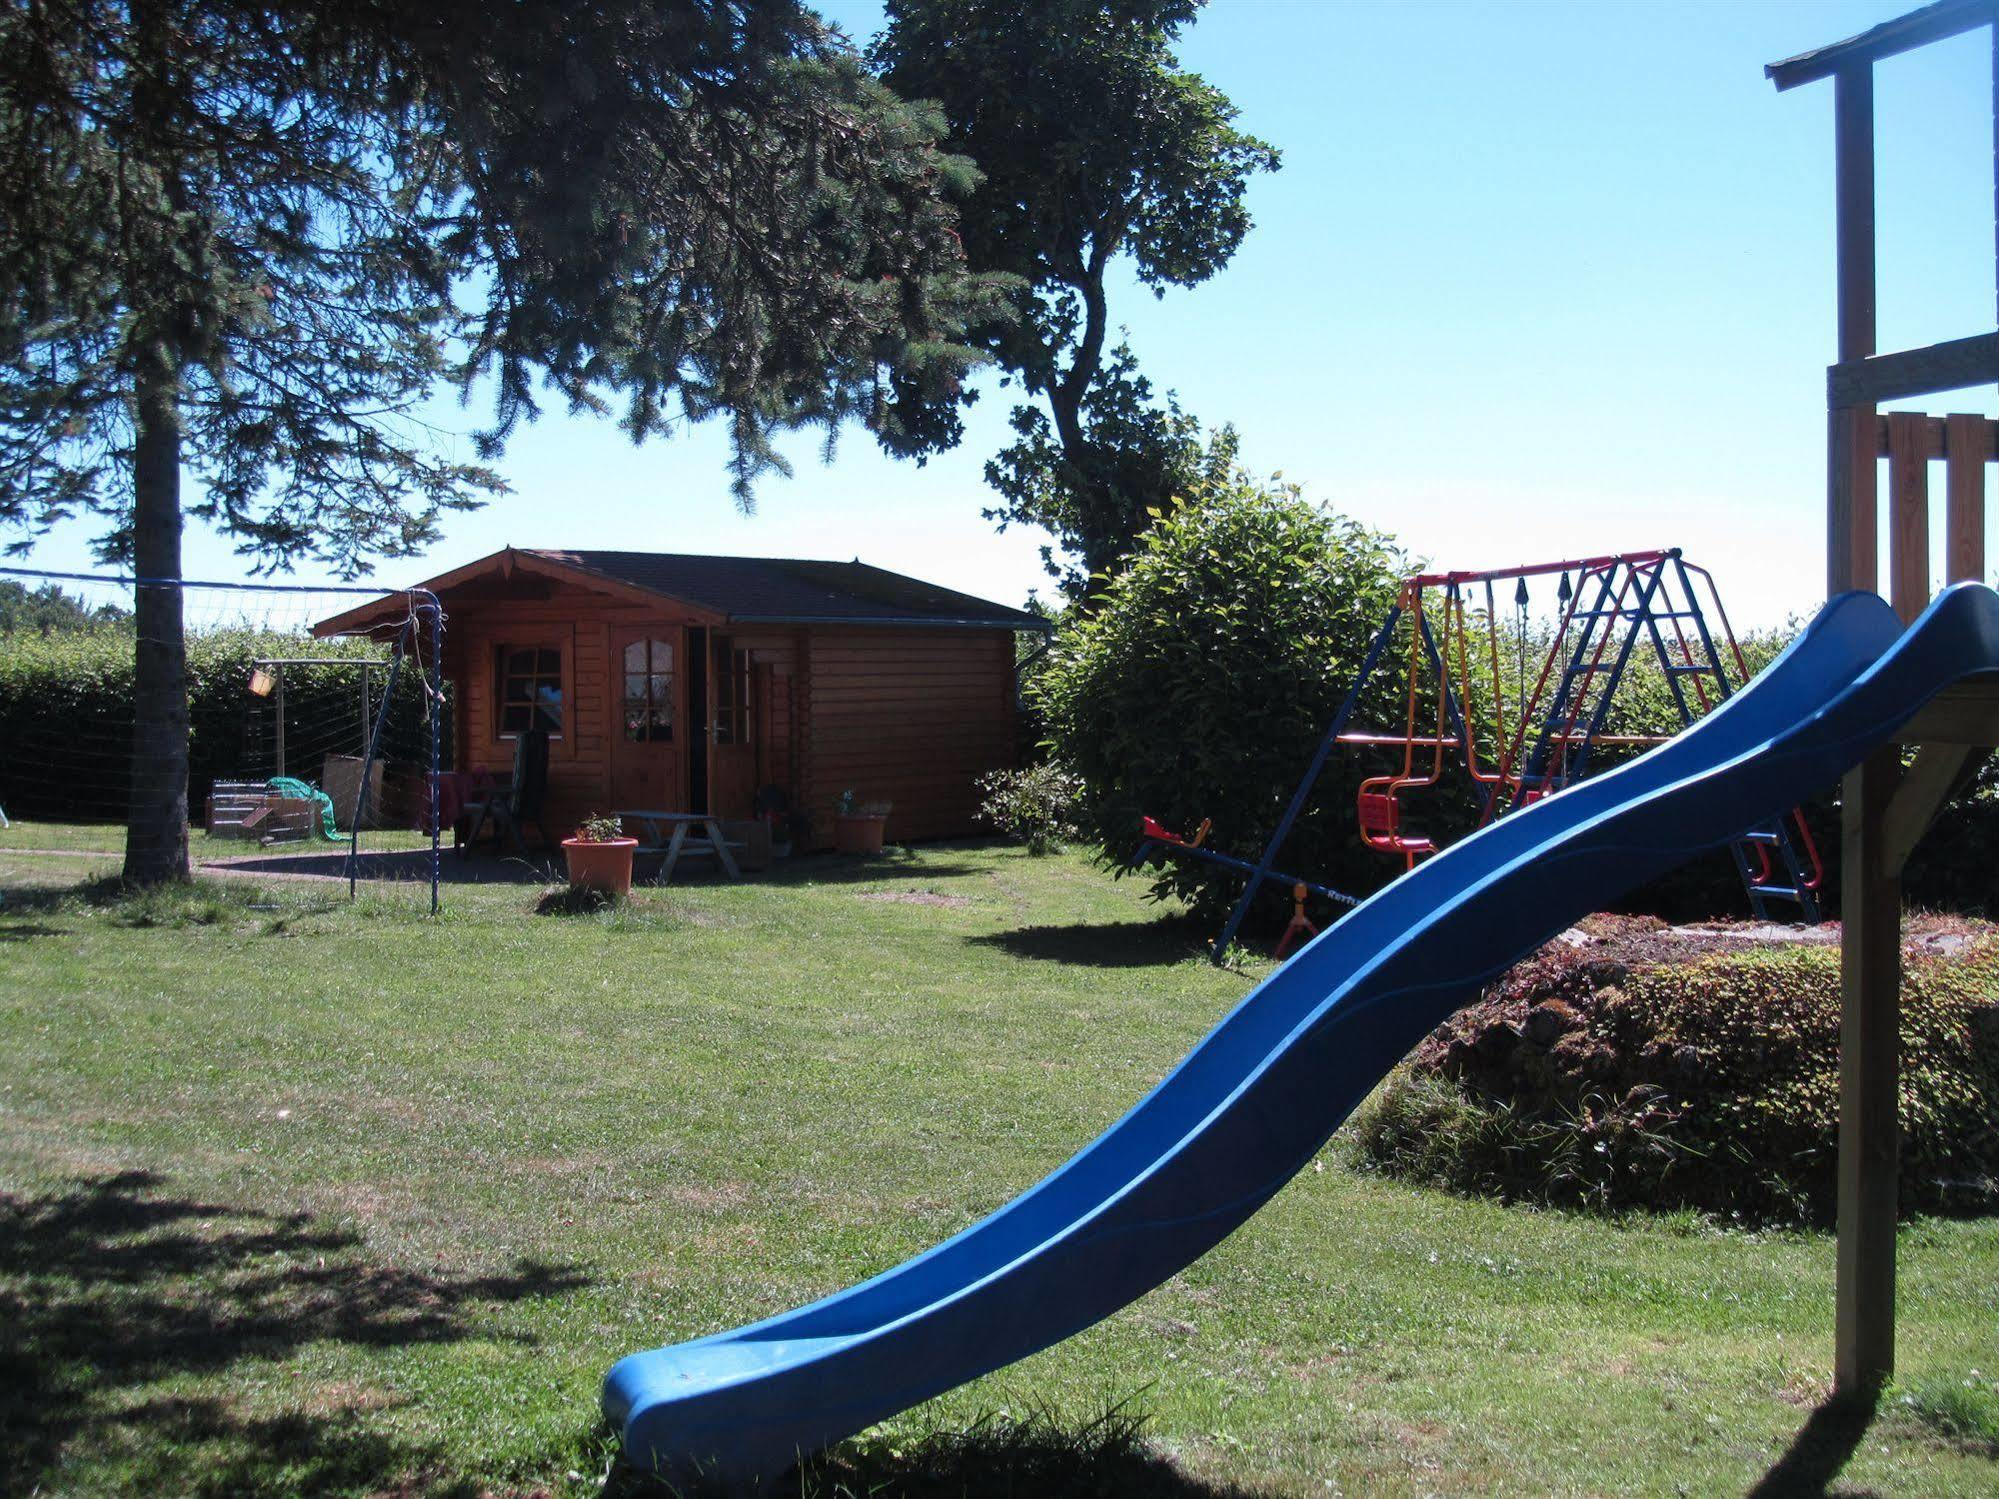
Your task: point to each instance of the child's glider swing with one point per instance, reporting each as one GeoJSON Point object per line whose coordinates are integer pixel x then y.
{"type": "Point", "coordinates": [1613, 604]}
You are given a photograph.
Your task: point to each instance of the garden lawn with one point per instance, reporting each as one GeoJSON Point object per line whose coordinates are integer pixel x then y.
{"type": "Point", "coordinates": [304, 1197]}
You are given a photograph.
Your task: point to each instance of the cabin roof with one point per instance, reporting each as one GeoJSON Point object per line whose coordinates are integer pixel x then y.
{"type": "Point", "coordinates": [736, 590]}
{"type": "Point", "coordinates": [796, 591]}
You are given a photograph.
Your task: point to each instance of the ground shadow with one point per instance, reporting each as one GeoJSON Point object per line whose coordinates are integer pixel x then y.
{"type": "Point", "coordinates": [1106, 1457]}
{"type": "Point", "coordinates": [897, 861]}
{"type": "Point", "coordinates": [40, 900]}
{"type": "Point", "coordinates": [400, 866]}
{"type": "Point", "coordinates": [108, 1284]}
{"type": "Point", "coordinates": [1103, 944]}
{"type": "Point", "coordinates": [1820, 1450]}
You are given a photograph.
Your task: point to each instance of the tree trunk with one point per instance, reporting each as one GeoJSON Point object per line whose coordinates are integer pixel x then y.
{"type": "Point", "coordinates": [156, 836]}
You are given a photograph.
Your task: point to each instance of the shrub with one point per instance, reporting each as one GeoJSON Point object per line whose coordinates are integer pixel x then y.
{"type": "Point", "coordinates": [66, 715]}
{"type": "Point", "coordinates": [1036, 804]}
{"type": "Point", "coordinates": [1200, 684]}
{"type": "Point", "coordinates": [1611, 1075]}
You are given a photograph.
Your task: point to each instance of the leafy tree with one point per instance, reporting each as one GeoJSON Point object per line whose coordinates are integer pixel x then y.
{"type": "Point", "coordinates": [48, 610]}
{"type": "Point", "coordinates": [1095, 145]}
{"type": "Point", "coordinates": [245, 242]}
{"type": "Point", "coordinates": [1200, 684]}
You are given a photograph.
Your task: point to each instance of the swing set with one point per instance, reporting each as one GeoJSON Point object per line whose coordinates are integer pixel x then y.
{"type": "Point", "coordinates": [1548, 737]}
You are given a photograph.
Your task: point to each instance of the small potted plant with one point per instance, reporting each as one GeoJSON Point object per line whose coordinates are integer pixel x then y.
{"type": "Point", "coordinates": [858, 825]}
{"type": "Point", "coordinates": [600, 856]}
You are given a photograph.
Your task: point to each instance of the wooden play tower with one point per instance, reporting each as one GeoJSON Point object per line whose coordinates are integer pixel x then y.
{"type": "Point", "coordinates": [1888, 804]}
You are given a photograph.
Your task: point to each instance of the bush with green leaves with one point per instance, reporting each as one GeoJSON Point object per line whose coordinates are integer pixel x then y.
{"type": "Point", "coordinates": [1611, 1075]}
{"type": "Point", "coordinates": [66, 715]}
{"type": "Point", "coordinates": [1200, 683]}
{"type": "Point", "coordinates": [1036, 804]}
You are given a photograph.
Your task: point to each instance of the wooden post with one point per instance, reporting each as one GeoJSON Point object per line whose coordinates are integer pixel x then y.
{"type": "Point", "coordinates": [1852, 521]}
{"type": "Point", "coordinates": [1871, 978]}
{"type": "Point", "coordinates": [1871, 945]}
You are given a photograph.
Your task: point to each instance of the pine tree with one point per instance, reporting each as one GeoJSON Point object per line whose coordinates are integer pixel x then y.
{"type": "Point", "coordinates": [245, 243]}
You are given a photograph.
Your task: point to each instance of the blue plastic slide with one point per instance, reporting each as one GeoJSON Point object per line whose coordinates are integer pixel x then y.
{"type": "Point", "coordinates": [1258, 1097]}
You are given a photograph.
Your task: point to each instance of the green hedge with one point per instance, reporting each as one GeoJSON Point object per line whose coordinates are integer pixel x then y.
{"type": "Point", "coordinates": [66, 717]}
{"type": "Point", "coordinates": [1201, 681]}
{"type": "Point", "coordinates": [1587, 1079]}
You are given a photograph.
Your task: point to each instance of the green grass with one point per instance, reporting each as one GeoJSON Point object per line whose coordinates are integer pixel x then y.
{"type": "Point", "coordinates": [109, 838]}
{"type": "Point", "coordinates": [304, 1197]}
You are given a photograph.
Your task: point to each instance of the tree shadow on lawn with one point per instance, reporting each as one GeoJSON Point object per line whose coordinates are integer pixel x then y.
{"type": "Point", "coordinates": [1103, 944]}
{"type": "Point", "coordinates": [996, 1457]}
{"type": "Point", "coordinates": [1821, 1449]}
{"type": "Point", "coordinates": [107, 1286]}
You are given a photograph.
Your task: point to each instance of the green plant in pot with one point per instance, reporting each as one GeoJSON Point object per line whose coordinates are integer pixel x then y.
{"type": "Point", "coordinates": [858, 825]}
{"type": "Point", "coordinates": [600, 856]}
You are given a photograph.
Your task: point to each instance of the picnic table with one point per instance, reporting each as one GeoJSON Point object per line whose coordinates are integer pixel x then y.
{"type": "Point", "coordinates": [652, 839]}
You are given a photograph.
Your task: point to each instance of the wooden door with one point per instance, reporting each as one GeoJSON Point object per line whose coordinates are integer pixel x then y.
{"type": "Point", "coordinates": [732, 732]}
{"type": "Point", "coordinates": [646, 748]}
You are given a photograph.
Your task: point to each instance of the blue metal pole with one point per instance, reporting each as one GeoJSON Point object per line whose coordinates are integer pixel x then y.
{"type": "Point", "coordinates": [1261, 871]}
{"type": "Point", "coordinates": [436, 735]}
{"type": "Point", "coordinates": [368, 760]}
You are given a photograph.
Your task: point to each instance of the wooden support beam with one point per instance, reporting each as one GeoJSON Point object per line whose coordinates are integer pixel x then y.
{"type": "Point", "coordinates": [1872, 378]}
{"type": "Point", "coordinates": [1852, 555]}
{"type": "Point", "coordinates": [1920, 794]}
{"type": "Point", "coordinates": [1918, 28]}
{"type": "Point", "coordinates": [1853, 519]}
{"type": "Point", "coordinates": [1967, 713]}
{"type": "Point", "coordinates": [1869, 1056]}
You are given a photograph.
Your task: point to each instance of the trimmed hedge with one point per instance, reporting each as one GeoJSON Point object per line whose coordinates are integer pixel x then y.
{"type": "Point", "coordinates": [1607, 1076]}
{"type": "Point", "coordinates": [66, 717]}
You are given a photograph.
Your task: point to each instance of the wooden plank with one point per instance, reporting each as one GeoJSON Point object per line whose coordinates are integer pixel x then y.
{"type": "Point", "coordinates": [1932, 443]}
{"type": "Point", "coordinates": [1919, 796]}
{"type": "Point", "coordinates": [1957, 364]}
{"type": "Point", "coordinates": [1869, 1042]}
{"type": "Point", "coordinates": [1916, 29]}
{"type": "Point", "coordinates": [1968, 447]}
{"type": "Point", "coordinates": [1964, 713]}
{"type": "Point", "coordinates": [1908, 514]}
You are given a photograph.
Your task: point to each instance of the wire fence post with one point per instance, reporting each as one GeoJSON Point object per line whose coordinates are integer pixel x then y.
{"type": "Point", "coordinates": [436, 739]}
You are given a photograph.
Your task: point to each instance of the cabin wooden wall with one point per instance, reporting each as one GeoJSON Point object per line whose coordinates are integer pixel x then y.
{"type": "Point", "coordinates": [775, 654]}
{"type": "Point", "coordinates": [904, 715]}
{"type": "Point", "coordinates": [577, 623]}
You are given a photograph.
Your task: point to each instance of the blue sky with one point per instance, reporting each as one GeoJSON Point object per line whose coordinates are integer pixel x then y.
{"type": "Point", "coordinates": [1535, 280]}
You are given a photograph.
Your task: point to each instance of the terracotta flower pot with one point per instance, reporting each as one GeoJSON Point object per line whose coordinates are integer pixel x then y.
{"type": "Point", "coordinates": [859, 832]}
{"type": "Point", "coordinates": [606, 867]}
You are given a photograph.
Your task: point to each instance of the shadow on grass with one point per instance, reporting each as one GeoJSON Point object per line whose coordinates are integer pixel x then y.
{"type": "Point", "coordinates": [196, 902]}
{"type": "Point", "coordinates": [1103, 944]}
{"type": "Point", "coordinates": [896, 861]}
{"type": "Point", "coordinates": [1820, 1450]}
{"type": "Point", "coordinates": [109, 1286]}
{"type": "Point", "coordinates": [997, 1457]}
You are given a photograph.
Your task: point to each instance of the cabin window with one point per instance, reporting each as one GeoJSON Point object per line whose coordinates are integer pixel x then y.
{"type": "Point", "coordinates": [732, 700]}
{"type": "Point", "coordinates": [649, 691]}
{"type": "Point", "coordinates": [529, 689]}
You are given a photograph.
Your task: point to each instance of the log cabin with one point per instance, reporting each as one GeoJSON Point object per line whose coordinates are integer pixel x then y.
{"type": "Point", "coordinates": [683, 683]}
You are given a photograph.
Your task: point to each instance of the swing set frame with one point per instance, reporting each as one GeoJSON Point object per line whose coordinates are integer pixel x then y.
{"type": "Point", "coordinates": [1616, 600]}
